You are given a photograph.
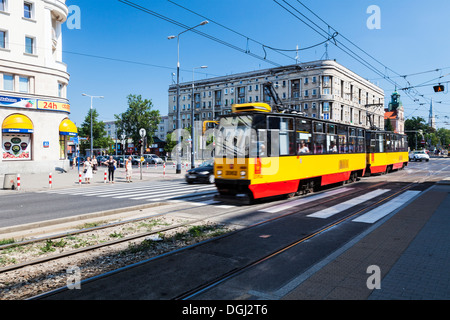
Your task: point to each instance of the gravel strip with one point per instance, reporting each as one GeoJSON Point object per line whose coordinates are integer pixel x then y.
{"type": "Point", "coordinates": [33, 280]}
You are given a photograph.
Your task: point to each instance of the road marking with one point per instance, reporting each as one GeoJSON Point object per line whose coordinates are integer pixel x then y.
{"type": "Point", "coordinates": [326, 213]}
{"type": "Point", "coordinates": [304, 200]}
{"type": "Point", "coordinates": [385, 209]}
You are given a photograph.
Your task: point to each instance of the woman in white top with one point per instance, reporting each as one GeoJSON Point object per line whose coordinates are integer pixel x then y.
{"type": "Point", "coordinates": [129, 169]}
{"type": "Point", "coordinates": [87, 166]}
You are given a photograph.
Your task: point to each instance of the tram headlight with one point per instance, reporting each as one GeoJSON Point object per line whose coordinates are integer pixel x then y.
{"type": "Point", "coordinates": [243, 173]}
{"type": "Point", "coordinates": [219, 172]}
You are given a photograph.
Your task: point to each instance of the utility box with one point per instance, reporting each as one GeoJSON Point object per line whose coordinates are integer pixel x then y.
{"type": "Point", "coordinates": [10, 182]}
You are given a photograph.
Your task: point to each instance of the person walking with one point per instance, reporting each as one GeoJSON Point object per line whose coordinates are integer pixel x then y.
{"type": "Point", "coordinates": [129, 169]}
{"type": "Point", "coordinates": [94, 164]}
{"type": "Point", "coordinates": [111, 164]}
{"type": "Point", "coordinates": [87, 170]}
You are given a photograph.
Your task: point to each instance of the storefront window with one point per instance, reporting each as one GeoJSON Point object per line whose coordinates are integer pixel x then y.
{"type": "Point", "coordinates": [16, 146]}
{"type": "Point", "coordinates": [62, 147]}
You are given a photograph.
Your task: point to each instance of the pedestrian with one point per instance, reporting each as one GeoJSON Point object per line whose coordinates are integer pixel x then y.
{"type": "Point", "coordinates": [129, 169]}
{"type": "Point", "coordinates": [94, 164]}
{"type": "Point", "coordinates": [87, 170]}
{"type": "Point", "coordinates": [111, 164]}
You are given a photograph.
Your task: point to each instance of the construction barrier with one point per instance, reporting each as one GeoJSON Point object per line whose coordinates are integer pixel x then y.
{"type": "Point", "coordinates": [50, 180]}
{"type": "Point", "coordinates": [18, 181]}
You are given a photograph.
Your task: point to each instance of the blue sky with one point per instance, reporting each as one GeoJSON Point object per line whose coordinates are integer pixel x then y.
{"type": "Point", "coordinates": [412, 39]}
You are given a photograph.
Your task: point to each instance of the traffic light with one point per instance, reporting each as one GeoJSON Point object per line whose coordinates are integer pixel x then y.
{"type": "Point", "coordinates": [438, 88]}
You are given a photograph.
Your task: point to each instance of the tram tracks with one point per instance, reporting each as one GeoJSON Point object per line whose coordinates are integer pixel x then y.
{"type": "Point", "coordinates": [172, 228]}
{"type": "Point", "coordinates": [192, 293]}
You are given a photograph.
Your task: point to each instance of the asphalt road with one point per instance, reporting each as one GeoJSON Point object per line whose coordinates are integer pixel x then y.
{"type": "Point", "coordinates": [34, 207]}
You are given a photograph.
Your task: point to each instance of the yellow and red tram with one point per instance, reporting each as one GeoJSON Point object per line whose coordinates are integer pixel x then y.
{"type": "Point", "coordinates": [260, 153]}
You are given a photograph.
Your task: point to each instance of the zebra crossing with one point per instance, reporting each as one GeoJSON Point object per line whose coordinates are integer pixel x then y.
{"type": "Point", "coordinates": [154, 191]}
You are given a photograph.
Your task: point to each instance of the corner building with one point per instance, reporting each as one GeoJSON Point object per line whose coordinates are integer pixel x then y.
{"type": "Point", "coordinates": [321, 89]}
{"type": "Point", "coordinates": [34, 109]}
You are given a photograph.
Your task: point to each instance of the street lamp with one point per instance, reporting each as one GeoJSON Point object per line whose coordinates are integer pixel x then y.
{"type": "Point", "coordinates": [193, 118]}
{"type": "Point", "coordinates": [178, 126]}
{"type": "Point", "coordinates": [92, 137]}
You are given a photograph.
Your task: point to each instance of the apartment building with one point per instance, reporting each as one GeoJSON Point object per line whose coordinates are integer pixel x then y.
{"type": "Point", "coordinates": [320, 89]}
{"type": "Point", "coordinates": [34, 109]}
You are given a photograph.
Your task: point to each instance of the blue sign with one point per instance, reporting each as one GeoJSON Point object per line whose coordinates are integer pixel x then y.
{"type": "Point", "coordinates": [46, 144]}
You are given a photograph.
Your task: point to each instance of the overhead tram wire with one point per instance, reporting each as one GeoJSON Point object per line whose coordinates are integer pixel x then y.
{"type": "Point", "coordinates": [234, 31]}
{"type": "Point", "coordinates": [325, 34]}
{"type": "Point", "coordinates": [232, 46]}
{"type": "Point", "coordinates": [352, 54]}
{"type": "Point", "coordinates": [372, 57]}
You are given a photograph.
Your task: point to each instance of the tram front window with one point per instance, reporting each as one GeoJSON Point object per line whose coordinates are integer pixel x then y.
{"type": "Point", "coordinates": [234, 135]}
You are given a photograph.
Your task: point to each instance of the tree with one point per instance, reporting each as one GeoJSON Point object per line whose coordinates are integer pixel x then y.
{"type": "Point", "coordinates": [101, 140]}
{"type": "Point", "coordinates": [138, 115]}
{"type": "Point", "coordinates": [412, 126]}
{"type": "Point", "coordinates": [388, 125]}
{"type": "Point", "coordinates": [170, 143]}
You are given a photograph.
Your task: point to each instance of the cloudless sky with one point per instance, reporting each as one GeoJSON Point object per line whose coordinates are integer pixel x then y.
{"type": "Point", "coordinates": [121, 50]}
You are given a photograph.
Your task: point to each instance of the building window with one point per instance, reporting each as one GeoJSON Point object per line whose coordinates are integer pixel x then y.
{"type": "Point", "coordinates": [29, 45]}
{"type": "Point", "coordinates": [326, 107]}
{"type": "Point", "coordinates": [24, 84]}
{"type": "Point", "coordinates": [27, 10]}
{"type": "Point", "coordinates": [2, 5]}
{"type": "Point", "coordinates": [8, 82]}
{"type": "Point", "coordinates": [60, 90]}
{"type": "Point", "coordinates": [2, 39]}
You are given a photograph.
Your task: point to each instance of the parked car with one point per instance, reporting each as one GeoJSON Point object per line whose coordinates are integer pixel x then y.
{"type": "Point", "coordinates": [203, 173]}
{"type": "Point", "coordinates": [152, 159]}
{"type": "Point", "coordinates": [135, 160]}
{"type": "Point", "coordinates": [419, 156]}
{"type": "Point", "coordinates": [119, 160]}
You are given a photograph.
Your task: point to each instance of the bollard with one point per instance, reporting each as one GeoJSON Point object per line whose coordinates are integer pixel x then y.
{"type": "Point", "coordinates": [18, 182]}
{"type": "Point", "coordinates": [50, 180]}
{"type": "Point", "coordinates": [164, 170]}
{"type": "Point", "coordinates": [104, 179]}
{"type": "Point", "coordinates": [79, 178]}
{"type": "Point", "coordinates": [156, 166]}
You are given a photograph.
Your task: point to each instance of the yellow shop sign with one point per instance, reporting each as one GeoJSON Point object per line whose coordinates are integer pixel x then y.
{"type": "Point", "coordinates": [56, 106]}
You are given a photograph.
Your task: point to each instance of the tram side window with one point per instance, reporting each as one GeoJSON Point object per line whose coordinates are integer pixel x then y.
{"type": "Point", "coordinates": [360, 142]}
{"type": "Point", "coordinates": [332, 139]}
{"type": "Point", "coordinates": [389, 143]}
{"type": "Point", "coordinates": [380, 146]}
{"type": "Point", "coordinates": [259, 137]}
{"type": "Point", "coordinates": [284, 129]}
{"type": "Point", "coordinates": [352, 140]}
{"type": "Point", "coordinates": [319, 138]}
{"type": "Point", "coordinates": [342, 136]}
{"type": "Point", "coordinates": [304, 136]}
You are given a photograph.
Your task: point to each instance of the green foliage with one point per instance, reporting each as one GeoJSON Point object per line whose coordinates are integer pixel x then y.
{"type": "Point", "coordinates": [98, 131]}
{"type": "Point", "coordinates": [434, 138]}
{"type": "Point", "coordinates": [138, 115]}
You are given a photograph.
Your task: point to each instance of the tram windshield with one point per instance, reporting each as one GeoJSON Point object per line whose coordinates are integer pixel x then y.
{"type": "Point", "coordinates": [233, 136]}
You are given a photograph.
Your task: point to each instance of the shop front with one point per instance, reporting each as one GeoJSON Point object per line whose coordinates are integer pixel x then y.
{"type": "Point", "coordinates": [34, 137]}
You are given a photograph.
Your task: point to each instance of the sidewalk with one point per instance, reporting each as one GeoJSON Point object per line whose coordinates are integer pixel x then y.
{"type": "Point", "coordinates": [411, 249]}
{"type": "Point", "coordinates": [39, 182]}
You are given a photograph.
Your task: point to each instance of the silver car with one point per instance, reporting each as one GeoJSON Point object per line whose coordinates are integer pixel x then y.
{"type": "Point", "coordinates": [419, 156]}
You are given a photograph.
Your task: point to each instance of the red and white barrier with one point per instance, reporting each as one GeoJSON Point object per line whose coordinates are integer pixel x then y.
{"type": "Point", "coordinates": [164, 170]}
{"type": "Point", "coordinates": [18, 181]}
{"type": "Point", "coordinates": [50, 180]}
{"type": "Point", "coordinates": [79, 178]}
{"type": "Point", "coordinates": [104, 178]}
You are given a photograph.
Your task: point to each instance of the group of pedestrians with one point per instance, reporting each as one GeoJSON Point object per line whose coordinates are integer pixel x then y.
{"type": "Point", "coordinates": [90, 167]}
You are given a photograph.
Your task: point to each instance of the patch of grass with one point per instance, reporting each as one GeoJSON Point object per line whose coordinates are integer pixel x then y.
{"type": "Point", "coordinates": [91, 225]}
{"type": "Point", "coordinates": [51, 245]}
{"type": "Point", "coordinates": [6, 241]}
{"type": "Point", "coordinates": [116, 235]}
